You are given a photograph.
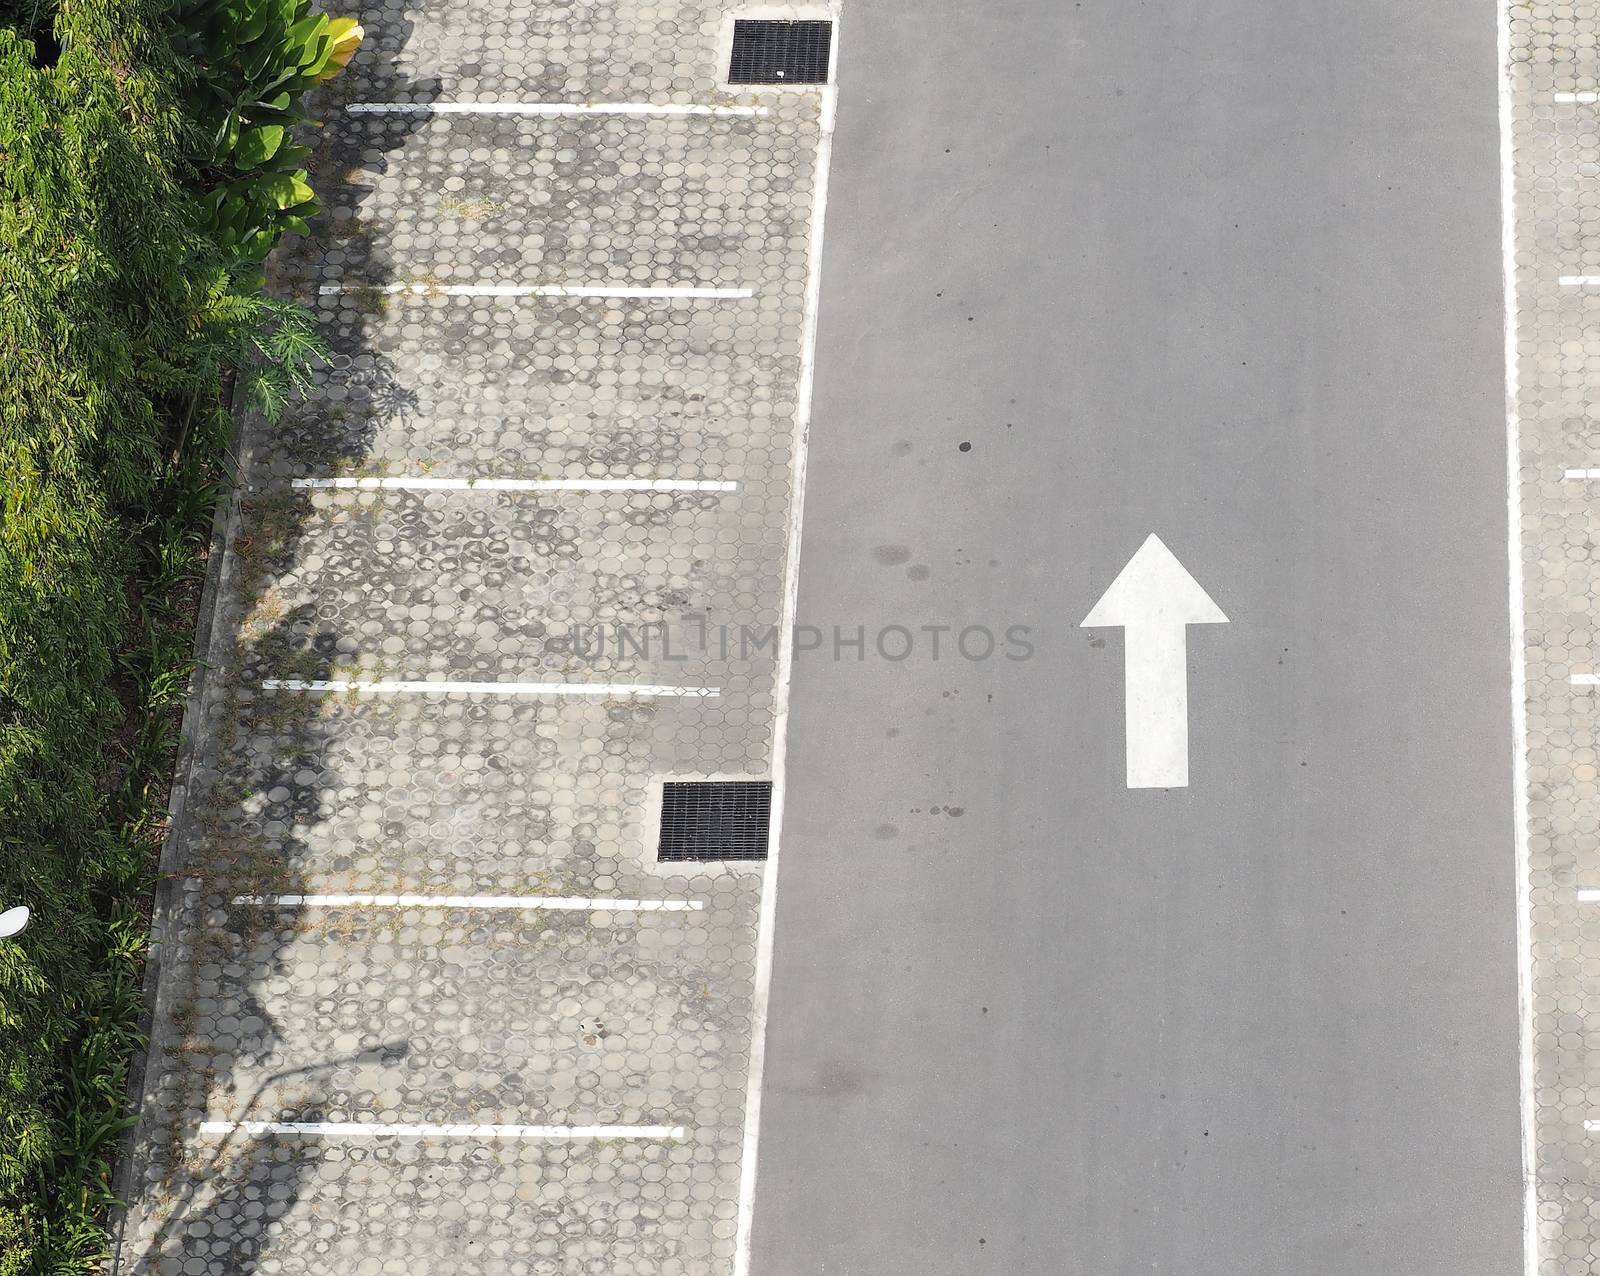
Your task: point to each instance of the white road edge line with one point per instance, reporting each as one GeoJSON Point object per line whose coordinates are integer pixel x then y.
{"type": "Point", "coordinates": [1519, 709]}
{"type": "Point", "coordinates": [514, 485]}
{"type": "Point", "coordinates": [1578, 281]}
{"type": "Point", "coordinates": [1577, 97]}
{"type": "Point", "coordinates": [533, 290]}
{"type": "Point", "coordinates": [404, 1130]}
{"type": "Point", "coordinates": [791, 592]}
{"type": "Point", "coordinates": [548, 108]}
{"type": "Point", "coordinates": [530, 902]}
{"type": "Point", "coordinates": [422, 688]}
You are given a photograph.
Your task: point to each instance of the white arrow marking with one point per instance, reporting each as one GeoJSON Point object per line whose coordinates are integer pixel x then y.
{"type": "Point", "coordinates": [1153, 600]}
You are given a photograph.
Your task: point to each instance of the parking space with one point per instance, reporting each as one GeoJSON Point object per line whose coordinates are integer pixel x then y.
{"type": "Point", "coordinates": [483, 1015]}
{"type": "Point", "coordinates": [478, 585]}
{"type": "Point", "coordinates": [428, 1000]}
{"type": "Point", "coordinates": [589, 199]}
{"type": "Point", "coordinates": [617, 51]}
{"type": "Point", "coordinates": [410, 1204]}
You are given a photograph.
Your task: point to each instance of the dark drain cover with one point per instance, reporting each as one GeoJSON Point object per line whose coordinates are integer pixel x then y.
{"type": "Point", "coordinates": [780, 52]}
{"type": "Point", "coordinates": [715, 819]}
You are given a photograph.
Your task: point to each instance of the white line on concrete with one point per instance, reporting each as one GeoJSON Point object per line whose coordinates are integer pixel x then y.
{"type": "Point", "coordinates": [1591, 1126]}
{"type": "Point", "coordinates": [1585, 680]}
{"type": "Point", "coordinates": [557, 903]}
{"type": "Point", "coordinates": [548, 108]}
{"type": "Point", "coordinates": [1577, 97]}
{"type": "Point", "coordinates": [515, 485]}
{"type": "Point", "coordinates": [1578, 281]}
{"type": "Point", "coordinates": [1582, 474]}
{"type": "Point", "coordinates": [405, 1130]}
{"type": "Point", "coordinates": [791, 590]}
{"type": "Point", "coordinates": [535, 290]}
{"type": "Point", "coordinates": [1518, 689]}
{"type": "Point", "coordinates": [1588, 896]}
{"type": "Point", "coordinates": [422, 688]}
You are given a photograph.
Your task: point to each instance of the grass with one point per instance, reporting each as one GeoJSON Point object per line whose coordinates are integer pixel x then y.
{"type": "Point", "coordinates": [370, 300]}
{"type": "Point", "coordinates": [472, 210]}
{"type": "Point", "coordinates": [153, 675]}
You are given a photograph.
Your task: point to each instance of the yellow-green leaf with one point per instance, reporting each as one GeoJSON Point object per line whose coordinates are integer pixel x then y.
{"type": "Point", "coordinates": [346, 34]}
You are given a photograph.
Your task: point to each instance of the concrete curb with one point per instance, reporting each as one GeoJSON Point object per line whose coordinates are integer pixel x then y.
{"type": "Point", "coordinates": [205, 684]}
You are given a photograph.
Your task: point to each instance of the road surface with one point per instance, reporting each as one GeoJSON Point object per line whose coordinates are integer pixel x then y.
{"type": "Point", "coordinates": [1229, 274]}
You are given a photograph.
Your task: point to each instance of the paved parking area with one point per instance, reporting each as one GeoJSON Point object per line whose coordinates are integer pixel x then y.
{"type": "Point", "coordinates": [1555, 75]}
{"type": "Point", "coordinates": [427, 1001]}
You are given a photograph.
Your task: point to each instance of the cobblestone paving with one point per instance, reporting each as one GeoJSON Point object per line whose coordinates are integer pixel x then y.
{"type": "Point", "coordinates": [433, 1015]}
{"type": "Point", "coordinates": [1555, 49]}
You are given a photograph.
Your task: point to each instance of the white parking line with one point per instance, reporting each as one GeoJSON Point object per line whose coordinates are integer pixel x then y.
{"type": "Point", "coordinates": [1577, 97]}
{"type": "Point", "coordinates": [533, 902]}
{"type": "Point", "coordinates": [1582, 474]}
{"type": "Point", "coordinates": [419, 688]}
{"type": "Point", "coordinates": [767, 923]}
{"type": "Point", "coordinates": [1588, 896]}
{"type": "Point", "coordinates": [548, 108]}
{"type": "Point", "coordinates": [1585, 680]}
{"type": "Point", "coordinates": [1516, 656]}
{"type": "Point", "coordinates": [1578, 281]}
{"type": "Point", "coordinates": [404, 1130]}
{"type": "Point", "coordinates": [515, 485]}
{"type": "Point", "coordinates": [534, 290]}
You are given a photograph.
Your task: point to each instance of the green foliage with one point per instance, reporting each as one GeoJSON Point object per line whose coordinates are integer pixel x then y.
{"type": "Point", "coordinates": [100, 266]}
{"type": "Point", "coordinates": [127, 297]}
{"type": "Point", "coordinates": [281, 345]}
{"type": "Point", "coordinates": [256, 60]}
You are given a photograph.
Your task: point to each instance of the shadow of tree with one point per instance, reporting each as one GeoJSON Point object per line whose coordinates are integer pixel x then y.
{"type": "Point", "coordinates": [212, 1196]}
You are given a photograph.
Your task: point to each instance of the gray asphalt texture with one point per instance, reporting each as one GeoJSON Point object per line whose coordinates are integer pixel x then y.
{"type": "Point", "coordinates": [1229, 273]}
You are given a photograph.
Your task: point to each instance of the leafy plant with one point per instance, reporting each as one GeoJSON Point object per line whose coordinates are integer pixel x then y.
{"type": "Point", "coordinates": [271, 345]}
{"type": "Point", "coordinates": [284, 345]}
{"type": "Point", "coordinates": [256, 60]}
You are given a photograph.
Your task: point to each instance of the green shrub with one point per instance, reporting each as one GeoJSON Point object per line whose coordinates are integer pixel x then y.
{"type": "Point", "coordinates": [100, 265]}
{"type": "Point", "coordinates": [127, 294]}
{"type": "Point", "coordinates": [256, 60]}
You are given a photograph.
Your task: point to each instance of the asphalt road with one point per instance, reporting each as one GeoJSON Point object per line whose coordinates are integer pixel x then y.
{"type": "Point", "coordinates": [1229, 273]}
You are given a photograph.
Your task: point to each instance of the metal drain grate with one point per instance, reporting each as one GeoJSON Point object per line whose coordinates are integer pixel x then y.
{"type": "Point", "coordinates": [715, 819]}
{"type": "Point", "coordinates": [766, 52]}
